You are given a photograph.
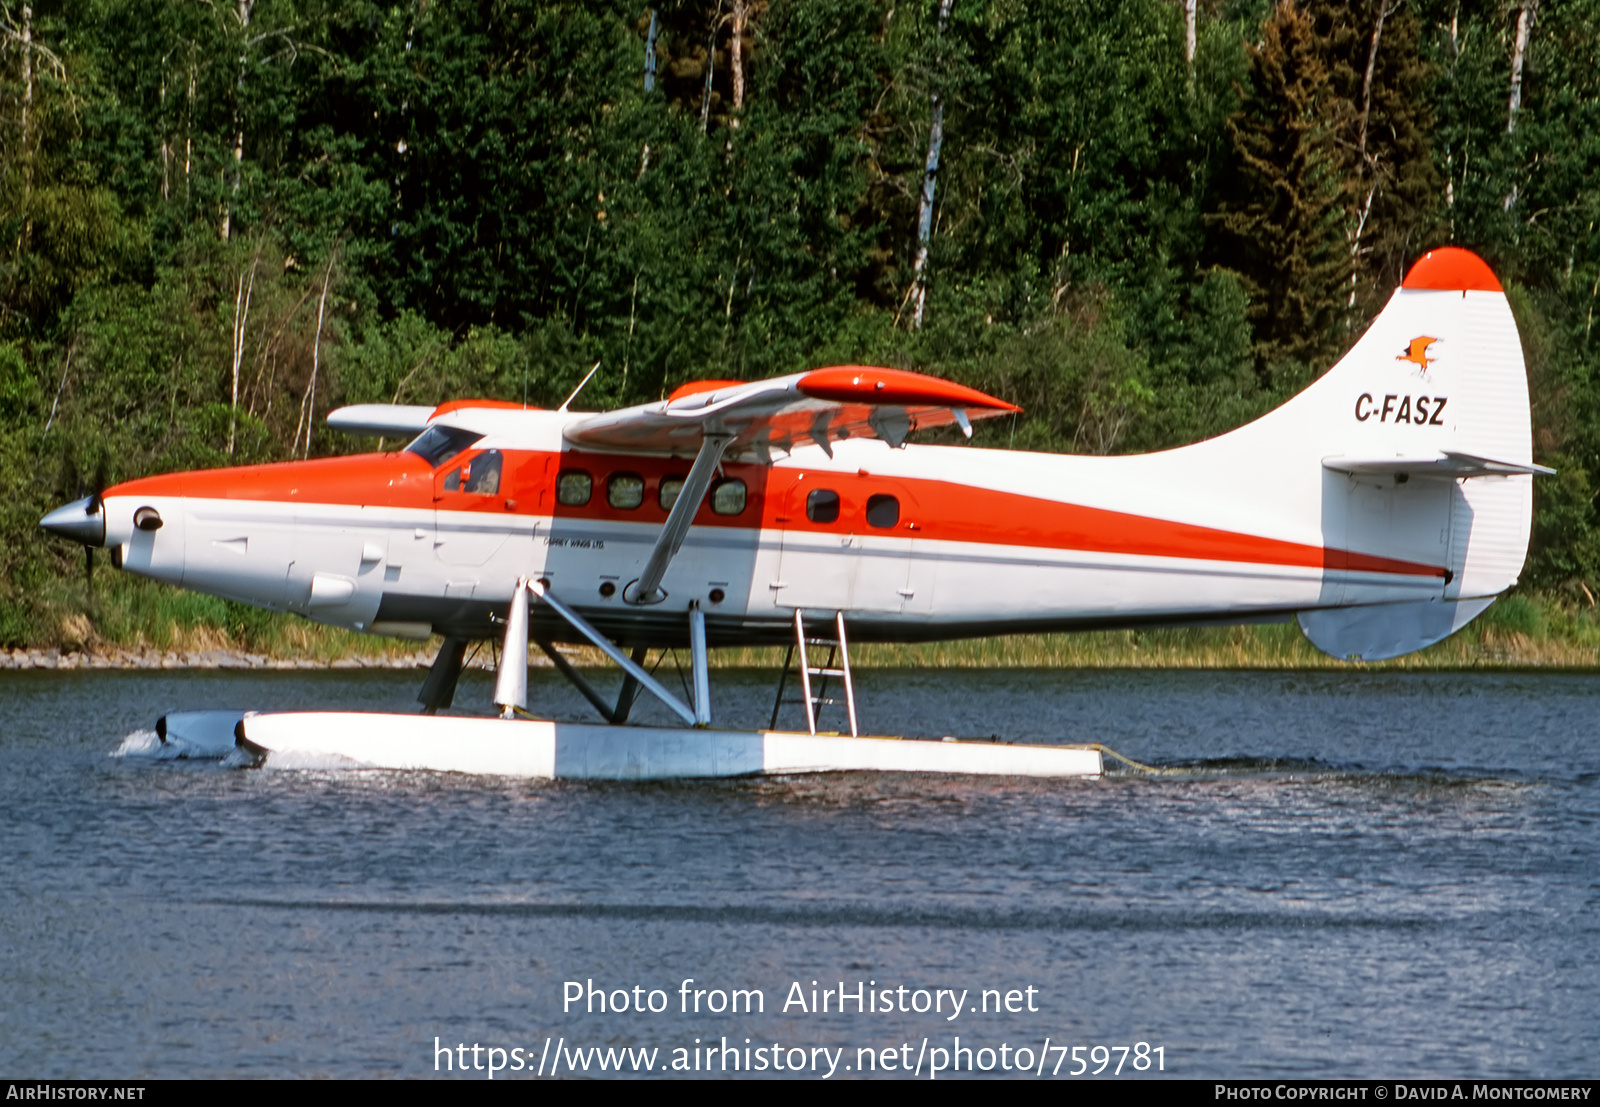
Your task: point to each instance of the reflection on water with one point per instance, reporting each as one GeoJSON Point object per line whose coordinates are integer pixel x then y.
{"type": "Point", "coordinates": [1339, 874]}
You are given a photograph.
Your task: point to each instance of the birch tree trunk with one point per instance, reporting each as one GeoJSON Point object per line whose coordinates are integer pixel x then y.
{"type": "Point", "coordinates": [188, 133]}
{"type": "Point", "coordinates": [245, 7]}
{"type": "Point", "coordinates": [26, 150]}
{"type": "Point", "coordinates": [1189, 18]}
{"type": "Point", "coordinates": [27, 74]}
{"type": "Point", "coordinates": [711, 67]}
{"type": "Point", "coordinates": [36, 58]}
{"type": "Point", "coordinates": [309, 408]}
{"type": "Point", "coordinates": [930, 181]}
{"type": "Point", "coordinates": [738, 58]}
{"type": "Point", "coordinates": [1366, 83]}
{"type": "Point", "coordinates": [1363, 168]}
{"type": "Point", "coordinates": [241, 319]}
{"type": "Point", "coordinates": [166, 140]}
{"type": "Point", "coordinates": [1518, 52]}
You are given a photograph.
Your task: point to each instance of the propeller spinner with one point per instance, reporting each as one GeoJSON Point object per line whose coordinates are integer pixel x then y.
{"type": "Point", "coordinates": [83, 521]}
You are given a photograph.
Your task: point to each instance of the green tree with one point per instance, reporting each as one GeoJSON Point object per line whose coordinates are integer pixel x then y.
{"type": "Point", "coordinates": [1392, 184]}
{"type": "Point", "coordinates": [1281, 220]}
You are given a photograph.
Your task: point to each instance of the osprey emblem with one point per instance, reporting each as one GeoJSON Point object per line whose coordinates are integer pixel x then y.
{"type": "Point", "coordinates": [1417, 352]}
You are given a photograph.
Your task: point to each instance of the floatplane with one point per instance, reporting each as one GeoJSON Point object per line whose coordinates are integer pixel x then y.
{"type": "Point", "coordinates": [1382, 508]}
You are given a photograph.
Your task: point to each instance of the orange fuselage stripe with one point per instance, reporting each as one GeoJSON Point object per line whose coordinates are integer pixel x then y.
{"type": "Point", "coordinates": [933, 510]}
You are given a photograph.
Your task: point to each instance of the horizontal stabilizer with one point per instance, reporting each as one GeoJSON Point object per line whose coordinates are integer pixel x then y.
{"type": "Point", "coordinates": [1443, 463]}
{"type": "Point", "coordinates": [382, 419]}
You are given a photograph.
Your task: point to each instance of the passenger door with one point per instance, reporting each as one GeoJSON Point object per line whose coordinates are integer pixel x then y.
{"type": "Point", "coordinates": [469, 514]}
{"type": "Point", "coordinates": [860, 562]}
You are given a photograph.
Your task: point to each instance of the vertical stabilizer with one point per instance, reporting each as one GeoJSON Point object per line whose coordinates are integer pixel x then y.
{"type": "Point", "coordinates": [1427, 428]}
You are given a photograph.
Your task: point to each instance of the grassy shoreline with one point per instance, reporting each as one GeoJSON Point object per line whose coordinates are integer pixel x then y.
{"type": "Point", "coordinates": [1523, 630]}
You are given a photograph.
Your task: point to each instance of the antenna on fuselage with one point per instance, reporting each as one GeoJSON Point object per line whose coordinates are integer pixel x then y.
{"type": "Point", "coordinates": [579, 389]}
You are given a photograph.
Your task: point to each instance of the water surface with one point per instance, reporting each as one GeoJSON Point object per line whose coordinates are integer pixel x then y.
{"type": "Point", "coordinates": [1353, 874]}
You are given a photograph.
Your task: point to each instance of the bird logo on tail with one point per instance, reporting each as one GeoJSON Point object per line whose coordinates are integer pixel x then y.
{"type": "Point", "coordinates": [1417, 352]}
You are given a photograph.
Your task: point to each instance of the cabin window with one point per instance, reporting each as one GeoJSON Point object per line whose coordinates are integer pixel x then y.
{"type": "Point", "coordinates": [728, 496]}
{"type": "Point", "coordinates": [822, 506]}
{"type": "Point", "coordinates": [573, 488]}
{"type": "Point", "coordinates": [883, 511]}
{"type": "Point", "coordinates": [452, 480]}
{"type": "Point", "coordinates": [667, 493]}
{"type": "Point", "coordinates": [437, 445]}
{"type": "Point", "coordinates": [482, 473]}
{"type": "Point", "coordinates": [625, 491]}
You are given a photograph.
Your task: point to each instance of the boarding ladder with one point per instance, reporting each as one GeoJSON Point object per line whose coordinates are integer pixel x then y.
{"type": "Point", "coordinates": [836, 667]}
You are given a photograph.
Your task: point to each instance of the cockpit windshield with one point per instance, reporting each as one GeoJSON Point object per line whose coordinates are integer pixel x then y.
{"type": "Point", "coordinates": [437, 444]}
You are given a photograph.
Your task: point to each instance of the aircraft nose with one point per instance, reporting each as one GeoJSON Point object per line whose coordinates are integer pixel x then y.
{"type": "Point", "coordinates": [82, 521]}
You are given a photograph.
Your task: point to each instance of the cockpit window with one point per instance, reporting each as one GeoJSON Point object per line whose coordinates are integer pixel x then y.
{"type": "Point", "coordinates": [437, 445]}
{"type": "Point", "coordinates": [480, 475]}
{"type": "Point", "coordinates": [483, 473]}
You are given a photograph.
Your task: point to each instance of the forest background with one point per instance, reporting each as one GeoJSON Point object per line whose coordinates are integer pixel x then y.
{"type": "Point", "coordinates": [1145, 221]}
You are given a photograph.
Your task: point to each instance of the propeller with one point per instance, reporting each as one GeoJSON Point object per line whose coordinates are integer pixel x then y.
{"type": "Point", "coordinates": [83, 520]}
{"type": "Point", "coordinates": [95, 506]}
{"type": "Point", "coordinates": [97, 495]}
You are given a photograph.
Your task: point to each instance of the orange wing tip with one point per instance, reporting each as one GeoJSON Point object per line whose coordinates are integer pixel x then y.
{"type": "Point", "coordinates": [694, 388]}
{"type": "Point", "coordinates": [459, 405]}
{"type": "Point", "coordinates": [848, 384]}
{"type": "Point", "coordinates": [1452, 269]}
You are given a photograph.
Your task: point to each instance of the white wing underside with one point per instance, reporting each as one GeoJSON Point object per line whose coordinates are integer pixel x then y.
{"type": "Point", "coordinates": [820, 407]}
{"type": "Point", "coordinates": [1445, 463]}
{"type": "Point", "coordinates": [780, 415]}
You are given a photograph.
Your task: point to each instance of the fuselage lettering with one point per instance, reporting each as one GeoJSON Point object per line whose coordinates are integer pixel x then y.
{"type": "Point", "coordinates": [1416, 410]}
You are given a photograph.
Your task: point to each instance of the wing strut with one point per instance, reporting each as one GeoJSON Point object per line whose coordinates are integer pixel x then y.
{"type": "Point", "coordinates": [647, 589]}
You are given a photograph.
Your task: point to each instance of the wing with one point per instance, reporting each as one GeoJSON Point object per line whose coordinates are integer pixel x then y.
{"type": "Point", "coordinates": [405, 420]}
{"type": "Point", "coordinates": [823, 406]}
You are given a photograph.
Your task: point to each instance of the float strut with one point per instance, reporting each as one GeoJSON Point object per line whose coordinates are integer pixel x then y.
{"type": "Point", "coordinates": [699, 664]}
{"type": "Point", "coordinates": [579, 681]}
{"type": "Point", "coordinates": [511, 685]}
{"type": "Point", "coordinates": [607, 647]}
{"type": "Point", "coordinates": [629, 693]}
{"type": "Point", "coordinates": [439, 690]}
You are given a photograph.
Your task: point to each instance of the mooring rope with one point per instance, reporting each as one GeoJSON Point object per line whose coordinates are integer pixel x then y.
{"type": "Point", "coordinates": [1140, 765]}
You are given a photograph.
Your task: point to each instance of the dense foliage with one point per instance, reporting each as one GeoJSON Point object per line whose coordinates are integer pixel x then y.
{"type": "Point", "coordinates": [219, 218]}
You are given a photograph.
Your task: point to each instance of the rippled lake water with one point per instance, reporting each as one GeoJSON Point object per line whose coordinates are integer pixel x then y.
{"type": "Point", "coordinates": [1350, 874]}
